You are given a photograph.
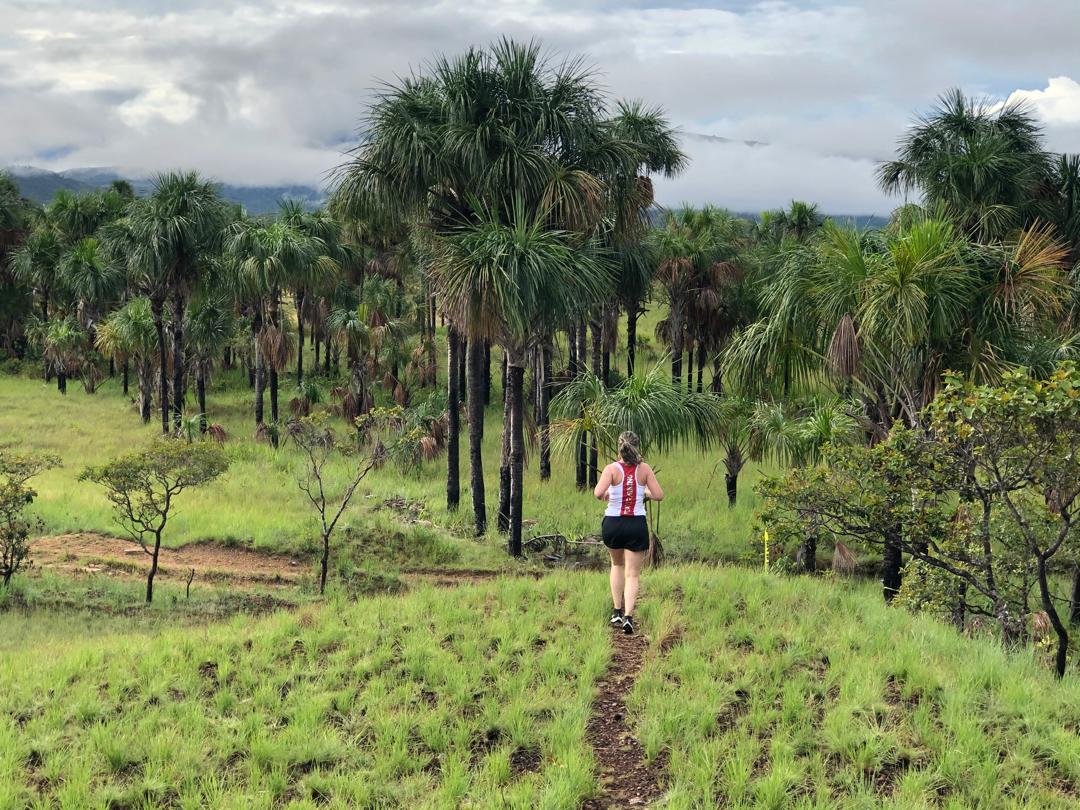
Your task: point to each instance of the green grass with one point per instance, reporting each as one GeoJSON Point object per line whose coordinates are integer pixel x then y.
{"type": "Point", "coordinates": [437, 699]}
{"type": "Point", "coordinates": [258, 504]}
{"type": "Point", "coordinates": [758, 691]}
{"type": "Point", "coordinates": [785, 693]}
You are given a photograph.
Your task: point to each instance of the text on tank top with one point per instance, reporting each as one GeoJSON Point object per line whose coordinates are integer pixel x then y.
{"type": "Point", "coordinates": [626, 498]}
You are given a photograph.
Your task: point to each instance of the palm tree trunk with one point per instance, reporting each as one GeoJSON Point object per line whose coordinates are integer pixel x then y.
{"type": "Point", "coordinates": [157, 307]}
{"type": "Point", "coordinates": [676, 360]}
{"type": "Point", "coordinates": [504, 465]}
{"type": "Point", "coordinates": [260, 373]}
{"type": "Point", "coordinates": [271, 366]}
{"type": "Point", "coordinates": [475, 395]}
{"type": "Point", "coordinates": [487, 373]}
{"type": "Point", "coordinates": [44, 320]}
{"type": "Point", "coordinates": [317, 344]}
{"type": "Point", "coordinates": [717, 384]}
{"type": "Point", "coordinates": [463, 351]}
{"type": "Point", "coordinates": [516, 374]}
{"type": "Point", "coordinates": [632, 313]}
{"type": "Point", "coordinates": [124, 376]}
{"type": "Point", "coordinates": [544, 414]}
{"type": "Point", "coordinates": [594, 453]}
{"type": "Point", "coordinates": [146, 392]}
{"type": "Point", "coordinates": [300, 334]}
{"type": "Point", "coordinates": [701, 367]}
{"type": "Point", "coordinates": [178, 359]}
{"type": "Point", "coordinates": [453, 406]}
{"type": "Point", "coordinates": [61, 381]}
{"type": "Point", "coordinates": [580, 473]}
{"type": "Point", "coordinates": [733, 464]}
{"type": "Point", "coordinates": [200, 392]}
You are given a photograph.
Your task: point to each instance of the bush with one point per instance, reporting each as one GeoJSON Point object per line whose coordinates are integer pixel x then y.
{"type": "Point", "coordinates": [983, 494]}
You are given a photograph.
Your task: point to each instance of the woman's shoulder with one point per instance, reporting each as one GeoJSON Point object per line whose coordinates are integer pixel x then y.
{"type": "Point", "coordinates": [644, 465]}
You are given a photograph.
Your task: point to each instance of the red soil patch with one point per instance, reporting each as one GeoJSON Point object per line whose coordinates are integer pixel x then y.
{"type": "Point", "coordinates": [626, 778]}
{"type": "Point", "coordinates": [87, 553]}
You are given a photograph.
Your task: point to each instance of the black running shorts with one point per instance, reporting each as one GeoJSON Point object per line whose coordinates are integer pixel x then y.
{"type": "Point", "coordinates": [630, 533]}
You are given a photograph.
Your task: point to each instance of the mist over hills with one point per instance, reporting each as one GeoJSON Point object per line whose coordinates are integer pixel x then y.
{"type": "Point", "coordinates": [40, 185]}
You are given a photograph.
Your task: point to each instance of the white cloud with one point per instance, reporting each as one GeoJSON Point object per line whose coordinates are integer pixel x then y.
{"type": "Point", "coordinates": [1059, 103]}
{"type": "Point", "coordinates": [163, 101]}
{"type": "Point", "coordinates": [265, 91]}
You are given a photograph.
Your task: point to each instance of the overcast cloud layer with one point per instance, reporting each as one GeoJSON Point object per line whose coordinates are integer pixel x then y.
{"type": "Point", "coordinates": [270, 92]}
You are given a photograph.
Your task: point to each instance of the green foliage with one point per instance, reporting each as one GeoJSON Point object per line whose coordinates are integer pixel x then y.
{"type": "Point", "coordinates": [986, 493]}
{"type": "Point", "coordinates": [142, 486]}
{"type": "Point", "coordinates": [983, 163]}
{"type": "Point", "coordinates": [884, 315]}
{"type": "Point", "coordinates": [660, 412]}
{"type": "Point", "coordinates": [16, 496]}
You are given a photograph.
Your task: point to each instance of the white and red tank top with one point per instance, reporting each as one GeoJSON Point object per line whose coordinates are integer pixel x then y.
{"type": "Point", "coordinates": [626, 498]}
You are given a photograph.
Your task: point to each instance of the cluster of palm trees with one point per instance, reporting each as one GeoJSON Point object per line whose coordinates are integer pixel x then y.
{"type": "Point", "coordinates": [529, 194]}
{"type": "Point", "coordinates": [170, 286]}
{"type": "Point", "coordinates": [502, 191]}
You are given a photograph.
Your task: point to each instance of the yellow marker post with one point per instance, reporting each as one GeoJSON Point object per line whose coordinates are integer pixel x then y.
{"type": "Point", "coordinates": [765, 536]}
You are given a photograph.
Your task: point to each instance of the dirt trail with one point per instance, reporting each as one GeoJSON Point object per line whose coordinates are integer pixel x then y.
{"type": "Point", "coordinates": [87, 553]}
{"type": "Point", "coordinates": [626, 778]}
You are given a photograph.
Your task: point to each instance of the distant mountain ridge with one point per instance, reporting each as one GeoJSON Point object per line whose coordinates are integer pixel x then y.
{"type": "Point", "coordinates": [40, 185]}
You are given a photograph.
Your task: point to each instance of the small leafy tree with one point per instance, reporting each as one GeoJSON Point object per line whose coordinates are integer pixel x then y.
{"type": "Point", "coordinates": [319, 442]}
{"type": "Point", "coordinates": [16, 495]}
{"type": "Point", "coordinates": [984, 496]}
{"type": "Point", "coordinates": [143, 486]}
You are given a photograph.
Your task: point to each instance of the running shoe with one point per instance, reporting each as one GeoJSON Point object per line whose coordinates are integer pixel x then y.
{"type": "Point", "coordinates": [628, 625]}
{"type": "Point", "coordinates": [616, 616]}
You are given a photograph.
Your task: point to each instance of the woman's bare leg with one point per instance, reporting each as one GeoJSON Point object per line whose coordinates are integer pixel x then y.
{"type": "Point", "coordinates": [618, 578]}
{"type": "Point", "coordinates": [634, 561]}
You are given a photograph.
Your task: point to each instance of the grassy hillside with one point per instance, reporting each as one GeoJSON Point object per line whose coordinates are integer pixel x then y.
{"type": "Point", "coordinates": [258, 504]}
{"type": "Point", "coordinates": [757, 691]}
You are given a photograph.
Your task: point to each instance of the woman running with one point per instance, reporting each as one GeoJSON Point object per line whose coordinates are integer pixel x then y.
{"type": "Point", "coordinates": [625, 484]}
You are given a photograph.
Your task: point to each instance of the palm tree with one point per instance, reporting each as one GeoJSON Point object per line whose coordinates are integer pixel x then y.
{"type": "Point", "coordinates": [659, 410]}
{"type": "Point", "coordinates": [211, 326]}
{"type": "Point", "coordinates": [327, 238]}
{"type": "Point", "coordinates": [983, 163]}
{"type": "Point", "coordinates": [129, 334]}
{"type": "Point", "coordinates": [16, 298]}
{"type": "Point", "coordinates": [659, 153]}
{"type": "Point", "coordinates": [268, 256]}
{"type": "Point", "coordinates": [174, 234]}
{"type": "Point", "coordinates": [1066, 205]}
{"type": "Point", "coordinates": [64, 343]}
{"type": "Point", "coordinates": [883, 316]}
{"type": "Point", "coordinates": [698, 253]}
{"type": "Point", "coordinates": [513, 282]}
{"type": "Point", "coordinates": [498, 131]}
{"type": "Point", "coordinates": [35, 264]}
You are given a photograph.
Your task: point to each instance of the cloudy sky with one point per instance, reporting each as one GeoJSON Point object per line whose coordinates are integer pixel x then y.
{"type": "Point", "coordinates": [264, 92]}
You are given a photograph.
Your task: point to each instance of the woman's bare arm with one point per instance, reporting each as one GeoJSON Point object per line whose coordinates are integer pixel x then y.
{"type": "Point", "coordinates": [603, 485]}
{"type": "Point", "coordinates": [653, 490]}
